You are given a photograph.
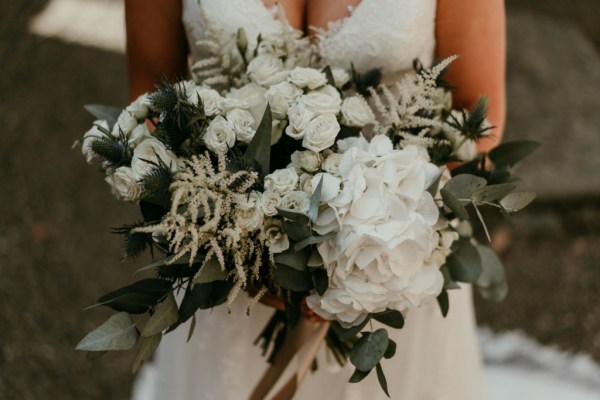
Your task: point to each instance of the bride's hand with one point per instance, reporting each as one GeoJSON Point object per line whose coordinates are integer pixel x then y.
{"type": "Point", "coordinates": [277, 303]}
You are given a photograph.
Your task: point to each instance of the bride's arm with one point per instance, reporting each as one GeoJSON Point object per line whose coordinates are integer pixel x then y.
{"type": "Point", "coordinates": [156, 43]}
{"type": "Point", "coordinates": [475, 30]}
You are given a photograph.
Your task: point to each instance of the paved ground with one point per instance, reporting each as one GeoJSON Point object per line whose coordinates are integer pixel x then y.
{"type": "Point", "coordinates": [57, 254]}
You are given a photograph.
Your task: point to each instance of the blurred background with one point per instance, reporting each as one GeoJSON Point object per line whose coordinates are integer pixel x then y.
{"type": "Point", "coordinates": [57, 256]}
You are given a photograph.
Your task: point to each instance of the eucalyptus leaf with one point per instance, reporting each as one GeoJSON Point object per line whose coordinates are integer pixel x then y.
{"type": "Point", "coordinates": [509, 153]}
{"type": "Point", "coordinates": [433, 188]}
{"type": "Point", "coordinates": [292, 279]}
{"type": "Point", "coordinates": [192, 328]}
{"type": "Point", "coordinates": [391, 318]}
{"type": "Point", "coordinates": [210, 272]}
{"type": "Point", "coordinates": [293, 215]}
{"type": "Point", "coordinates": [183, 260]}
{"type": "Point", "coordinates": [107, 113]}
{"type": "Point", "coordinates": [116, 333]}
{"type": "Point", "coordinates": [297, 231]}
{"type": "Point", "coordinates": [369, 350]}
{"type": "Point", "coordinates": [381, 379]}
{"type": "Point", "coordinates": [321, 280]}
{"type": "Point", "coordinates": [391, 349]}
{"type": "Point", "coordinates": [148, 346]}
{"type": "Point", "coordinates": [294, 259]}
{"type": "Point", "coordinates": [464, 262]}
{"type": "Point", "coordinates": [517, 201]}
{"type": "Point", "coordinates": [492, 269]}
{"type": "Point", "coordinates": [345, 334]}
{"type": "Point", "coordinates": [443, 302]}
{"type": "Point", "coordinates": [455, 205]}
{"type": "Point", "coordinates": [358, 375]}
{"type": "Point", "coordinates": [329, 75]}
{"type": "Point", "coordinates": [138, 297]}
{"type": "Point", "coordinates": [495, 292]}
{"type": "Point", "coordinates": [313, 240]}
{"type": "Point", "coordinates": [259, 149]}
{"type": "Point", "coordinates": [492, 192]}
{"type": "Point", "coordinates": [313, 210]}
{"type": "Point", "coordinates": [485, 228]}
{"type": "Point", "coordinates": [164, 316]}
{"type": "Point", "coordinates": [463, 186]}
{"type": "Point", "coordinates": [507, 217]}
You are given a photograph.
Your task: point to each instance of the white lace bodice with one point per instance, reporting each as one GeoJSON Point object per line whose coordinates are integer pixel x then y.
{"type": "Point", "coordinates": [387, 34]}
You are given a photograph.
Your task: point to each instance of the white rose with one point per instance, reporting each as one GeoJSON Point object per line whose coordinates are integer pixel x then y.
{"type": "Point", "coordinates": [270, 202]}
{"type": "Point", "coordinates": [277, 127]}
{"type": "Point", "coordinates": [323, 101]}
{"type": "Point", "coordinates": [242, 123]}
{"type": "Point", "coordinates": [299, 117]}
{"type": "Point", "coordinates": [266, 70]}
{"type": "Point", "coordinates": [146, 156]}
{"type": "Point", "coordinates": [124, 184]}
{"type": "Point", "coordinates": [140, 107]}
{"type": "Point", "coordinates": [296, 200]}
{"type": "Point", "coordinates": [139, 133]}
{"type": "Point", "coordinates": [321, 132]}
{"type": "Point", "coordinates": [229, 103]}
{"type": "Point", "coordinates": [93, 134]}
{"type": "Point", "coordinates": [276, 238]}
{"type": "Point", "coordinates": [340, 77]}
{"type": "Point", "coordinates": [356, 112]}
{"type": "Point", "coordinates": [125, 124]}
{"type": "Point", "coordinates": [307, 78]}
{"type": "Point", "coordinates": [248, 212]}
{"type": "Point", "coordinates": [210, 98]}
{"type": "Point", "coordinates": [307, 160]}
{"type": "Point", "coordinates": [331, 164]}
{"type": "Point", "coordinates": [254, 96]}
{"type": "Point", "coordinates": [220, 136]}
{"type": "Point", "coordinates": [282, 181]}
{"type": "Point", "coordinates": [280, 96]}
{"type": "Point", "coordinates": [305, 183]}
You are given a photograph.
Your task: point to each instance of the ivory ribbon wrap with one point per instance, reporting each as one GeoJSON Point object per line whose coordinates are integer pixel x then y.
{"type": "Point", "coordinates": [304, 340]}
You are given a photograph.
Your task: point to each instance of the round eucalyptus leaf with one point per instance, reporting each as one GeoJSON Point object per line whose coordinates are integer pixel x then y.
{"type": "Point", "coordinates": [369, 350]}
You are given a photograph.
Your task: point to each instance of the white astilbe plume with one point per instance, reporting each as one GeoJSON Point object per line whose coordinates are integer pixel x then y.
{"type": "Point", "coordinates": [409, 104]}
{"type": "Point", "coordinates": [202, 219]}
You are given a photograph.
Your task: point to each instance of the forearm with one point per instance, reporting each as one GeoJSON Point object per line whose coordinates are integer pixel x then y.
{"type": "Point", "coordinates": [475, 30]}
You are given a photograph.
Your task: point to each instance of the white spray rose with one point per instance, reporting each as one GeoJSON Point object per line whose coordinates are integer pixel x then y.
{"type": "Point", "coordinates": [331, 163]}
{"type": "Point", "coordinates": [282, 181]}
{"type": "Point", "coordinates": [270, 202]}
{"type": "Point", "coordinates": [276, 238]}
{"type": "Point", "coordinates": [248, 213]}
{"type": "Point", "coordinates": [307, 78]}
{"type": "Point", "coordinates": [340, 77]}
{"type": "Point", "coordinates": [126, 123]}
{"type": "Point", "coordinates": [299, 117]}
{"type": "Point", "coordinates": [139, 133]}
{"type": "Point", "coordinates": [307, 160]}
{"type": "Point", "coordinates": [210, 98]}
{"type": "Point", "coordinates": [91, 135]}
{"type": "Point", "coordinates": [321, 132]}
{"type": "Point", "coordinates": [266, 70]}
{"type": "Point", "coordinates": [220, 136]}
{"type": "Point", "coordinates": [323, 101]}
{"type": "Point", "coordinates": [297, 200]}
{"type": "Point", "coordinates": [140, 107]}
{"type": "Point", "coordinates": [242, 123]}
{"type": "Point", "coordinates": [356, 112]}
{"type": "Point", "coordinates": [280, 96]}
{"type": "Point", "coordinates": [147, 154]}
{"type": "Point", "coordinates": [305, 183]}
{"type": "Point", "coordinates": [124, 184]}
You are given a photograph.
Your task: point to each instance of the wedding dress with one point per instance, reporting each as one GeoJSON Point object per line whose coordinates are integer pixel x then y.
{"type": "Point", "coordinates": [437, 358]}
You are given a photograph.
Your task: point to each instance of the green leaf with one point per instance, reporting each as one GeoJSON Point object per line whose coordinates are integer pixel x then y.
{"type": "Point", "coordinates": [508, 154]}
{"type": "Point", "coordinates": [108, 113]}
{"type": "Point", "coordinates": [454, 204]}
{"type": "Point", "coordinates": [292, 279]}
{"type": "Point", "coordinates": [381, 378]}
{"type": "Point", "coordinates": [210, 272]}
{"type": "Point", "coordinates": [192, 328]}
{"type": "Point", "coordinates": [358, 375]}
{"type": "Point", "coordinates": [147, 348]}
{"type": "Point", "coordinates": [294, 216]}
{"type": "Point", "coordinates": [464, 262]}
{"type": "Point", "coordinates": [492, 192]}
{"type": "Point", "coordinates": [507, 217]}
{"type": "Point", "coordinates": [492, 269]}
{"type": "Point", "coordinates": [321, 280]}
{"type": "Point", "coordinates": [369, 350]}
{"type": "Point", "coordinates": [517, 201]}
{"type": "Point", "coordinates": [495, 292]}
{"type": "Point", "coordinates": [183, 260]}
{"type": "Point", "coordinates": [345, 334]}
{"type": "Point", "coordinates": [297, 231]}
{"type": "Point", "coordinates": [116, 333]}
{"type": "Point", "coordinates": [463, 186]}
{"type": "Point", "coordinates": [444, 302]}
{"type": "Point", "coordinates": [138, 297]}
{"type": "Point", "coordinates": [392, 318]}
{"type": "Point", "coordinates": [449, 283]}
{"type": "Point", "coordinates": [313, 210]}
{"type": "Point", "coordinates": [391, 349]}
{"type": "Point", "coordinates": [164, 316]}
{"type": "Point", "coordinates": [293, 259]}
{"type": "Point", "coordinates": [195, 297]}
{"type": "Point", "coordinates": [313, 240]}
{"type": "Point", "coordinates": [485, 228]}
{"type": "Point", "coordinates": [259, 149]}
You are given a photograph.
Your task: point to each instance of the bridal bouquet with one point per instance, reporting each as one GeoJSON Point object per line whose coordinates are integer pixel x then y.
{"type": "Point", "coordinates": [270, 174]}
